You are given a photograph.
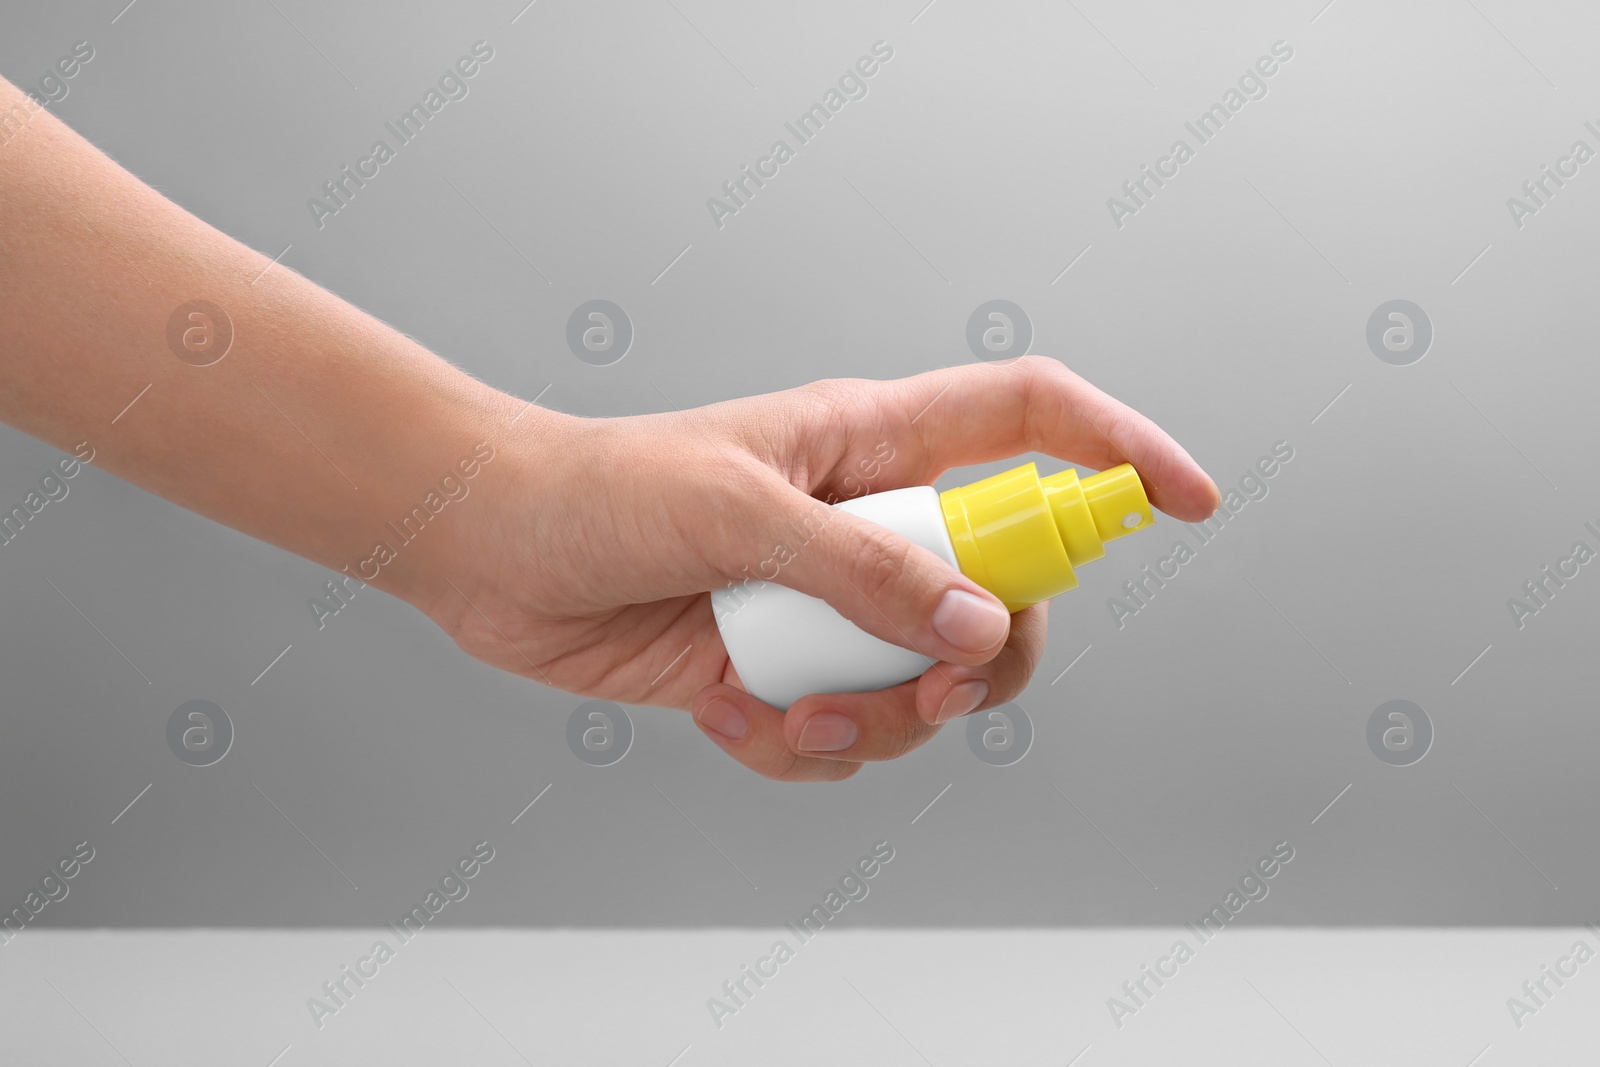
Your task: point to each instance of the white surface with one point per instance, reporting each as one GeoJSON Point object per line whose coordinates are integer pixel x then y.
{"type": "Point", "coordinates": [1279, 997]}
{"type": "Point", "coordinates": [785, 644]}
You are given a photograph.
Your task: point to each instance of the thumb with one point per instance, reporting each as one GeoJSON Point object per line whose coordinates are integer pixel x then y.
{"type": "Point", "coordinates": [889, 586]}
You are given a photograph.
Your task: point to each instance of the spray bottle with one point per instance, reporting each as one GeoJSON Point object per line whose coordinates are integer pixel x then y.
{"type": "Point", "coordinates": [1017, 535]}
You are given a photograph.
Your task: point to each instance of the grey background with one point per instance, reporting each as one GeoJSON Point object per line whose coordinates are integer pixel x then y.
{"type": "Point", "coordinates": [1222, 719]}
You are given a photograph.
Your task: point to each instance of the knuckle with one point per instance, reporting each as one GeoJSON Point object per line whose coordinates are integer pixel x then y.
{"type": "Point", "coordinates": [908, 734]}
{"type": "Point", "coordinates": [793, 767]}
{"type": "Point", "coordinates": [821, 391]}
{"type": "Point", "coordinates": [839, 770]}
{"type": "Point", "coordinates": [1010, 672]}
{"type": "Point", "coordinates": [825, 402]}
{"type": "Point", "coordinates": [1029, 630]}
{"type": "Point", "coordinates": [832, 392]}
{"type": "Point", "coordinates": [1041, 375]}
{"type": "Point", "coordinates": [1035, 365]}
{"type": "Point", "coordinates": [1005, 686]}
{"type": "Point", "coordinates": [778, 765]}
{"type": "Point", "coordinates": [835, 404]}
{"type": "Point", "coordinates": [880, 563]}
{"type": "Point", "coordinates": [783, 769]}
{"type": "Point", "coordinates": [1038, 386]}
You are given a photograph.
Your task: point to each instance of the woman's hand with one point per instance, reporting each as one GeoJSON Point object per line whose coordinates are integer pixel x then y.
{"type": "Point", "coordinates": [589, 569]}
{"type": "Point", "coordinates": [584, 556]}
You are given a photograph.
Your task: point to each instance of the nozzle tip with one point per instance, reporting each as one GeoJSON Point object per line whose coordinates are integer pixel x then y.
{"type": "Point", "coordinates": [1117, 502]}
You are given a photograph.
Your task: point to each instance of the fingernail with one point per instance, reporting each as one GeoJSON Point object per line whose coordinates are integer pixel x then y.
{"type": "Point", "coordinates": [723, 718]}
{"type": "Point", "coordinates": [962, 699]}
{"type": "Point", "coordinates": [969, 622]}
{"type": "Point", "coordinates": [827, 732]}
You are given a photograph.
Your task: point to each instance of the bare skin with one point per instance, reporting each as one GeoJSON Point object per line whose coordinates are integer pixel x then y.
{"type": "Point", "coordinates": [582, 555]}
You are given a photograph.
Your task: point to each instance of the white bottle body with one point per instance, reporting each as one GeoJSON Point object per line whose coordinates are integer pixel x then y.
{"type": "Point", "coordinates": [785, 644]}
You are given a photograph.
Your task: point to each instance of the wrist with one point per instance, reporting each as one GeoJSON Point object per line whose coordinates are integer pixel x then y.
{"type": "Point", "coordinates": [449, 537]}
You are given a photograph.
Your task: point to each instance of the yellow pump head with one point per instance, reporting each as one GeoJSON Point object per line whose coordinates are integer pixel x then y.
{"type": "Point", "coordinates": [1020, 536]}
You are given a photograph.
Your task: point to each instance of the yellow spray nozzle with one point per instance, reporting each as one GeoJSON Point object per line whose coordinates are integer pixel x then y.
{"type": "Point", "coordinates": [1117, 502]}
{"type": "Point", "coordinates": [1020, 536]}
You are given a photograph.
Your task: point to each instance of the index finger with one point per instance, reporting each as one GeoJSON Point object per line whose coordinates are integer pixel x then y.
{"type": "Point", "coordinates": [990, 411]}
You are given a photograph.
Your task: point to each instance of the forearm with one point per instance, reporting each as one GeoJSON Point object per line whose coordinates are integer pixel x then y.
{"type": "Point", "coordinates": [318, 427]}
